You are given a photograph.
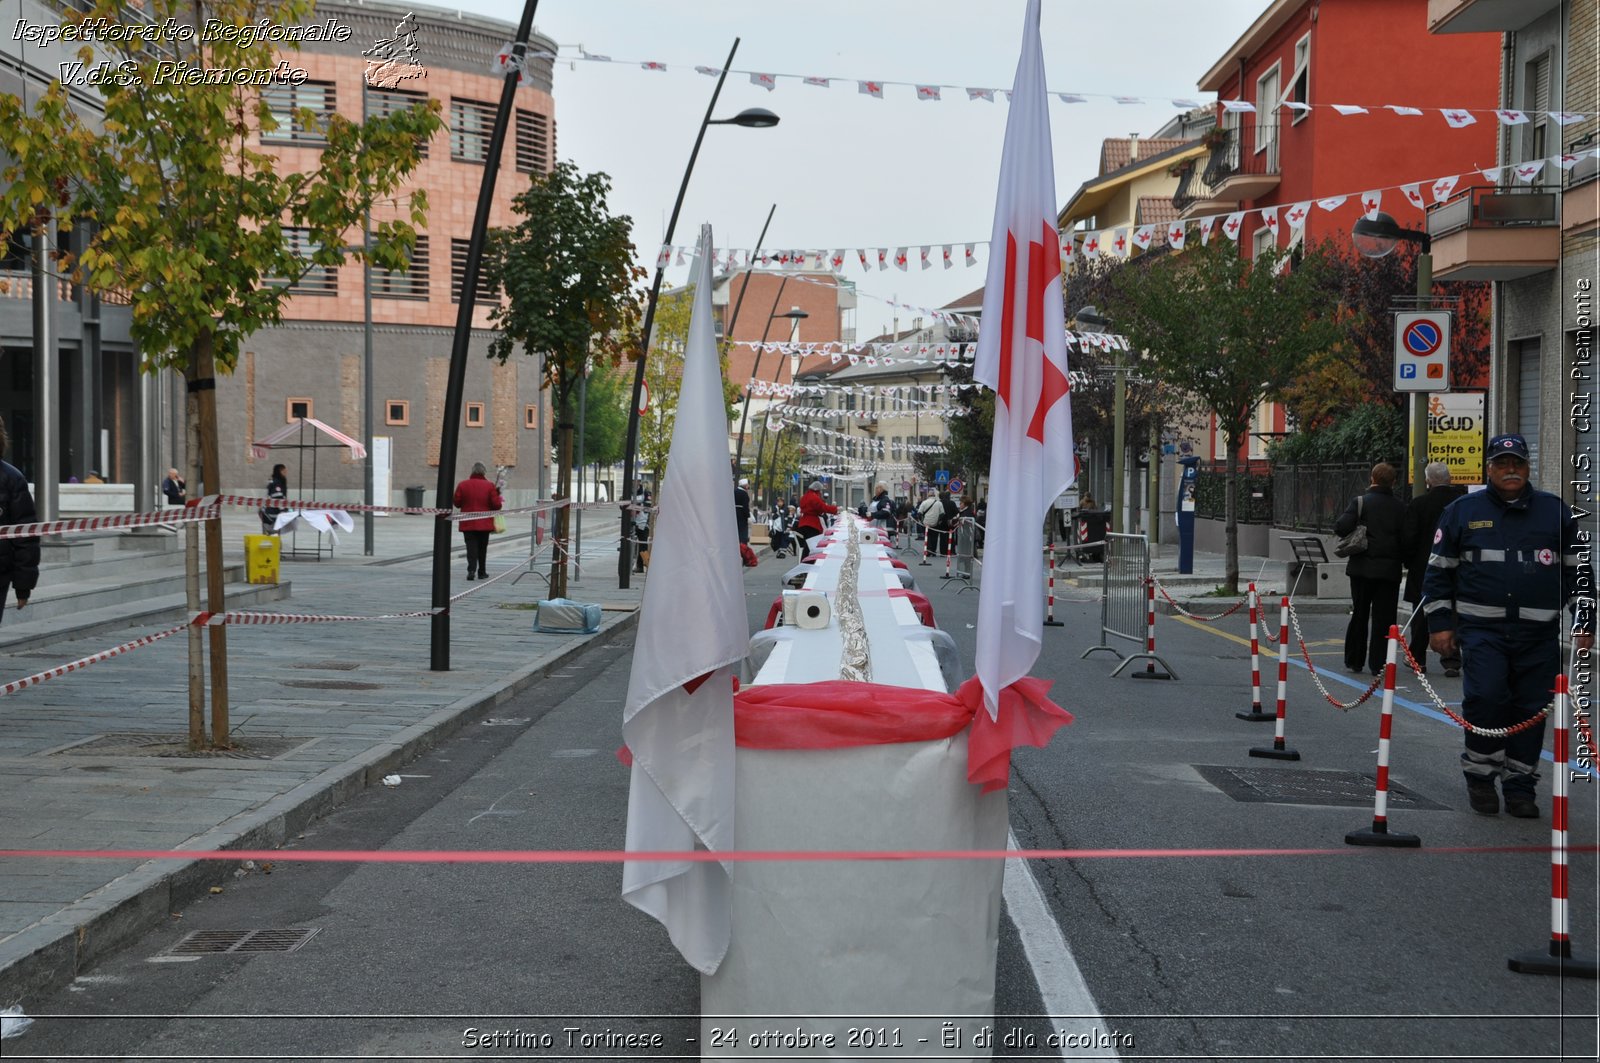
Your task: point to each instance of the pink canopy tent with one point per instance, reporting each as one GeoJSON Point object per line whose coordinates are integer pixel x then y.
{"type": "Point", "coordinates": [281, 439]}
{"type": "Point", "coordinates": [260, 447]}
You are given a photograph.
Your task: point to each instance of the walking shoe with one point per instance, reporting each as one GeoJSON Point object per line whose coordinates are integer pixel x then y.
{"type": "Point", "coordinates": [1522, 806]}
{"type": "Point", "coordinates": [1452, 673]}
{"type": "Point", "coordinates": [1483, 798]}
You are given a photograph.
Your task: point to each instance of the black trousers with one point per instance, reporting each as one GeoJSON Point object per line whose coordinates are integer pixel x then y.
{"type": "Point", "coordinates": [477, 551]}
{"type": "Point", "coordinates": [1418, 643]}
{"type": "Point", "coordinates": [1374, 603]}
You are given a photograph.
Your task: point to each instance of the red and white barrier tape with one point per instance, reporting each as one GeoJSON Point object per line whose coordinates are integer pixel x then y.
{"type": "Point", "coordinates": [233, 617]}
{"type": "Point", "coordinates": [84, 662]}
{"type": "Point", "coordinates": [175, 515]}
{"type": "Point", "coordinates": [253, 502]}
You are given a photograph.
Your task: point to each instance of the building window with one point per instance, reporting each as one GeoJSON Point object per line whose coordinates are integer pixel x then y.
{"type": "Point", "coordinates": [315, 279]}
{"type": "Point", "coordinates": [534, 147]}
{"type": "Point", "coordinates": [1267, 101]}
{"type": "Point", "coordinates": [289, 105]}
{"type": "Point", "coordinates": [410, 283]}
{"type": "Point", "coordinates": [471, 122]}
{"type": "Point", "coordinates": [530, 416]}
{"type": "Point", "coordinates": [474, 415]}
{"type": "Point", "coordinates": [381, 103]}
{"type": "Point", "coordinates": [297, 409]}
{"type": "Point", "coordinates": [1536, 101]}
{"type": "Point", "coordinates": [1300, 87]}
{"type": "Point", "coordinates": [458, 273]}
{"type": "Point", "coordinates": [396, 411]}
{"type": "Point", "coordinates": [1262, 242]}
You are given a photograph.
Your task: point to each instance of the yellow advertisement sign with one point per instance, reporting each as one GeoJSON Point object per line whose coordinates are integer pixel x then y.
{"type": "Point", "coordinates": [1455, 434]}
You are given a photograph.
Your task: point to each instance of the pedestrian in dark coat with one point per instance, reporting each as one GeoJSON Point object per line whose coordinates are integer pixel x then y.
{"type": "Point", "coordinates": [476, 494]}
{"type": "Point", "coordinates": [277, 490]}
{"type": "Point", "coordinates": [19, 558]}
{"type": "Point", "coordinates": [1416, 532]}
{"type": "Point", "coordinates": [1375, 573]}
{"type": "Point", "coordinates": [741, 510]}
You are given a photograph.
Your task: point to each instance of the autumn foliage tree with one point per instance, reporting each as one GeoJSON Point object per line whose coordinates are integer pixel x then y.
{"type": "Point", "coordinates": [186, 217]}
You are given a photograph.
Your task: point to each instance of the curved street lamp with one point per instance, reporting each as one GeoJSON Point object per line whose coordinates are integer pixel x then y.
{"type": "Point", "coordinates": [753, 118]}
{"type": "Point", "coordinates": [1376, 236]}
{"type": "Point", "coordinates": [1090, 319]}
{"type": "Point", "coordinates": [795, 316]}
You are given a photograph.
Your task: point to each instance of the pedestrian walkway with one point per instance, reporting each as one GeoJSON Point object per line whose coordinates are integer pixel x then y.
{"type": "Point", "coordinates": [97, 758]}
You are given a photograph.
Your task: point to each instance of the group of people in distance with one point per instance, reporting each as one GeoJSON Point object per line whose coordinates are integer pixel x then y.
{"type": "Point", "coordinates": [1493, 571]}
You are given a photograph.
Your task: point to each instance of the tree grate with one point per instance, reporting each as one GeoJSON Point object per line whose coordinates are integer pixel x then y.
{"type": "Point", "coordinates": [216, 942]}
{"type": "Point", "coordinates": [330, 684]}
{"type": "Point", "coordinates": [332, 666]}
{"type": "Point", "coordinates": [137, 744]}
{"type": "Point", "coordinates": [1293, 786]}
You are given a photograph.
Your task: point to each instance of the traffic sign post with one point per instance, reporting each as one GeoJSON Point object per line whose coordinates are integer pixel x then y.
{"type": "Point", "coordinates": [1422, 351]}
{"type": "Point", "coordinates": [956, 487]}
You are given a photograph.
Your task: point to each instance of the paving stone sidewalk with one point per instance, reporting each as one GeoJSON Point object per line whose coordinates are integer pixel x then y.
{"type": "Point", "coordinates": [319, 710]}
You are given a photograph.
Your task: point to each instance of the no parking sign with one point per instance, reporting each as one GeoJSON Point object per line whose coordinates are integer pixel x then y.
{"type": "Point", "coordinates": [1422, 351]}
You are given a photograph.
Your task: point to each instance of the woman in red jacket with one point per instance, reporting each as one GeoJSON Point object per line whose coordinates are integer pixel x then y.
{"type": "Point", "coordinates": [476, 494]}
{"type": "Point", "coordinates": [812, 507]}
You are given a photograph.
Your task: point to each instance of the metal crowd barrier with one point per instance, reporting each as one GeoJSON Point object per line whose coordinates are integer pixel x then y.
{"type": "Point", "coordinates": [1124, 606]}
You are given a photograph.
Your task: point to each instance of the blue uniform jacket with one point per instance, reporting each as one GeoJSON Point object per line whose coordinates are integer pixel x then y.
{"type": "Point", "coordinates": [1521, 561]}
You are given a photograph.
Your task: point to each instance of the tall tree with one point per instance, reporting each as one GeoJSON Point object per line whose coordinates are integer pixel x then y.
{"type": "Point", "coordinates": [663, 376]}
{"type": "Point", "coordinates": [1227, 330]}
{"type": "Point", "coordinates": [189, 221]}
{"type": "Point", "coordinates": [568, 274]}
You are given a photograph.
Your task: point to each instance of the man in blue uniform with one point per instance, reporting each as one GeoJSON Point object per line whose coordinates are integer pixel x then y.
{"type": "Point", "coordinates": [1504, 563]}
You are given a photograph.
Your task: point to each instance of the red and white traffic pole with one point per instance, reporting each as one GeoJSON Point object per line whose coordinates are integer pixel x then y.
{"type": "Point", "coordinates": [1050, 584]}
{"type": "Point", "coordinates": [1379, 833]}
{"type": "Point", "coordinates": [1255, 715]}
{"type": "Point", "coordinates": [1278, 751]}
{"type": "Point", "coordinates": [1559, 960]}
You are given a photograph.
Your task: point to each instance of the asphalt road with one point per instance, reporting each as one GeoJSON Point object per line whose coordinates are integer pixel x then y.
{"type": "Point", "coordinates": [1222, 954]}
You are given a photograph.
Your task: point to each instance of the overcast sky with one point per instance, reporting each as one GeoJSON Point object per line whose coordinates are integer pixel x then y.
{"type": "Point", "coordinates": [847, 170]}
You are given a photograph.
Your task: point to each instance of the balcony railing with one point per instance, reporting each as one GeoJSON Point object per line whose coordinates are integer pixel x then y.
{"type": "Point", "coordinates": [1243, 152]}
{"type": "Point", "coordinates": [1192, 185]}
{"type": "Point", "coordinates": [1493, 207]}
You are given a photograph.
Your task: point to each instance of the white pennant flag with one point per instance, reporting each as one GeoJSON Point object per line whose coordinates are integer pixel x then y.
{"type": "Point", "coordinates": [1176, 235]}
{"type": "Point", "coordinates": [1206, 225]}
{"type": "Point", "coordinates": [926, 263]}
{"type": "Point", "coordinates": [1064, 97]}
{"type": "Point", "coordinates": [1413, 194]}
{"type": "Point", "coordinates": [1022, 357]}
{"type": "Point", "coordinates": [928, 92]}
{"type": "Point", "coordinates": [1458, 119]}
{"type": "Point", "coordinates": [1143, 236]}
{"type": "Point", "coordinates": [900, 259]}
{"type": "Point", "coordinates": [680, 256]}
{"type": "Point", "coordinates": [883, 258]}
{"type": "Point", "coordinates": [766, 81]}
{"type": "Point", "coordinates": [651, 64]}
{"type": "Point", "coordinates": [1332, 203]}
{"type": "Point", "coordinates": [947, 262]}
{"type": "Point", "coordinates": [862, 253]}
{"type": "Point", "coordinates": [837, 261]}
{"type": "Point", "coordinates": [981, 94]}
{"type": "Point", "coordinates": [1567, 162]}
{"type": "Point", "coordinates": [1296, 106]}
{"type": "Point", "coordinates": [870, 88]}
{"type": "Point", "coordinates": [1371, 201]}
{"type": "Point", "coordinates": [972, 260]}
{"type": "Point", "coordinates": [677, 719]}
{"type": "Point", "coordinates": [1066, 249]}
{"type": "Point", "coordinates": [1297, 214]}
{"type": "Point", "coordinates": [1119, 242]}
{"type": "Point", "coordinates": [1529, 170]}
{"type": "Point", "coordinates": [664, 259]}
{"type": "Point", "coordinates": [1566, 117]}
{"type": "Point", "coordinates": [1511, 117]}
{"type": "Point", "coordinates": [1443, 187]}
{"type": "Point", "coordinates": [709, 71]}
{"type": "Point", "coordinates": [1269, 218]}
{"type": "Point", "coordinates": [819, 82]}
{"type": "Point", "coordinates": [1349, 109]}
{"type": "Point", "coordinates": [1492, 174]}
{"type": "Point", "coordinates": [1091, 245]}
{"type": "Point", "coordinates": [1239, 106]}
{"type": "Point", "coordinates": [1397, 109]}
{"type": "Point", "coordinates": [1231, 226]}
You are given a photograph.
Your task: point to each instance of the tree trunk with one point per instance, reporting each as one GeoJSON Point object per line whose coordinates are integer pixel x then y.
{"type": "Point", "coordinates": [1230, 571]}
{"type": "Point", "coordinates": [563, 515]}
{"type": "Point", "coordinates": [216, 601]}
{"type": "Point", "coordinates": [191, 567]}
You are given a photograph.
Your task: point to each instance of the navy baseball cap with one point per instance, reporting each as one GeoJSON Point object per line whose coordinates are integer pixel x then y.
{"type": "Point", "coordinates": [1510, 443]}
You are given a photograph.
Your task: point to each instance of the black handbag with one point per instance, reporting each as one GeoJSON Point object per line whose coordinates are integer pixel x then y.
{"type": "Point", "coordinates": [1356, 541]}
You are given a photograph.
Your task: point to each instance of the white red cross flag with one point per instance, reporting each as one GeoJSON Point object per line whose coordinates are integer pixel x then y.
{"type": "Point", "coordinates": [1022, 356]}
{"type": "Point", "coordinates": [678, 716]}
{"type": "Point", "coordinates": [1176, 236]}
{"type": "Point", "coordinates": [1413, 194]}
{"type": "Point", "coordinates": [1457, 119]}
{"type": "Point", "coordinates": [1297, 214]}
{"type": "Point", "coordinates": [1371, 202]}
{"type": "Point", "coordinates": [1232, 225]}
{"type": "Point", "coordinates": [1511, 117]}
{"type": "Point", "coordinates": [1143, 236]}
{"type": "Point", "coordinates": [870, 88]}
{"type": "Point", "coordinates": [1443, 187]}
{"type": "Point", "coordinates": [947, 262]}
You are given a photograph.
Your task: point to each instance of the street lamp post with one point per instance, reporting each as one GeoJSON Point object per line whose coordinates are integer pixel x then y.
{"type": "Point", "coordinates": [1376, 236]}
{"type": "Point", "coordinates": [795, 316]}
{"type": "Point", "coordinates": [754, 118]}
{"type": "Point", "coordinates": [1091, 320]}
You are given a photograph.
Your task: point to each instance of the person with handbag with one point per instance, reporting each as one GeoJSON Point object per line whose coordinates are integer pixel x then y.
{"type": "Point", "coordinates": [19, 557]}
{"type": "Point", "coordinates": [1421, 520]}
{"type": "Point", "coordinates": [476, 494]}
{"type": "Point", "coordinates": [1374, 570]}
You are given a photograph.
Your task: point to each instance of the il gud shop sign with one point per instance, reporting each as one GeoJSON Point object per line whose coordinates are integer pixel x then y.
{"type": "Point", "coordinates": [1455, 434]}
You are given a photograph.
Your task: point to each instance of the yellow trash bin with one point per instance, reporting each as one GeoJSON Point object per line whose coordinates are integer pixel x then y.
{"type": "Point", "coordinates": [261, 558]}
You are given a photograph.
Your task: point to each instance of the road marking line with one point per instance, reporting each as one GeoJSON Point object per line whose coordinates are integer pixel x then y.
{"type": "Point", "coordinates": [1060, 982]}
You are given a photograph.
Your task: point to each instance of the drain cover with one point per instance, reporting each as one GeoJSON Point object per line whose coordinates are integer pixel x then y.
{"type": "Point", "coordinates": [212, 942]}
{"type": "Point", "coordinates": [330, 684]}
{"type": "Point", "coordinates": [332, 666]}
{"type": "Point", "coordinates": [1291, 786]}
{"type": "Point", "coordinates": [155, 745]}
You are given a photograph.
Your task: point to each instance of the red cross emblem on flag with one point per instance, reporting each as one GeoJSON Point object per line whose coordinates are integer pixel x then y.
{"type": "Point", "coordinates": [1371, 205]}
{"type": "Point", "coordinates": [1527, 171]}
{"type": "Point", "coordinates": [1296, 214]}
{"type": "Point", "coordinates": [1232, 227]}
{"type": "Point", "coordinates": [1120, 243]}
{"type": "Point", "coordinates": [1174, 233]}
{"type": "Point", "coordinates": [900, 260]}
{"type": "Point", "coordinates": [1457, 116]}
{"type": "Point", "coordinates": [1092, 246]}
{"type": "Point", "coordinates": [1042, 273]}
{"type": "Point", "coordinates": [874, 87]}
